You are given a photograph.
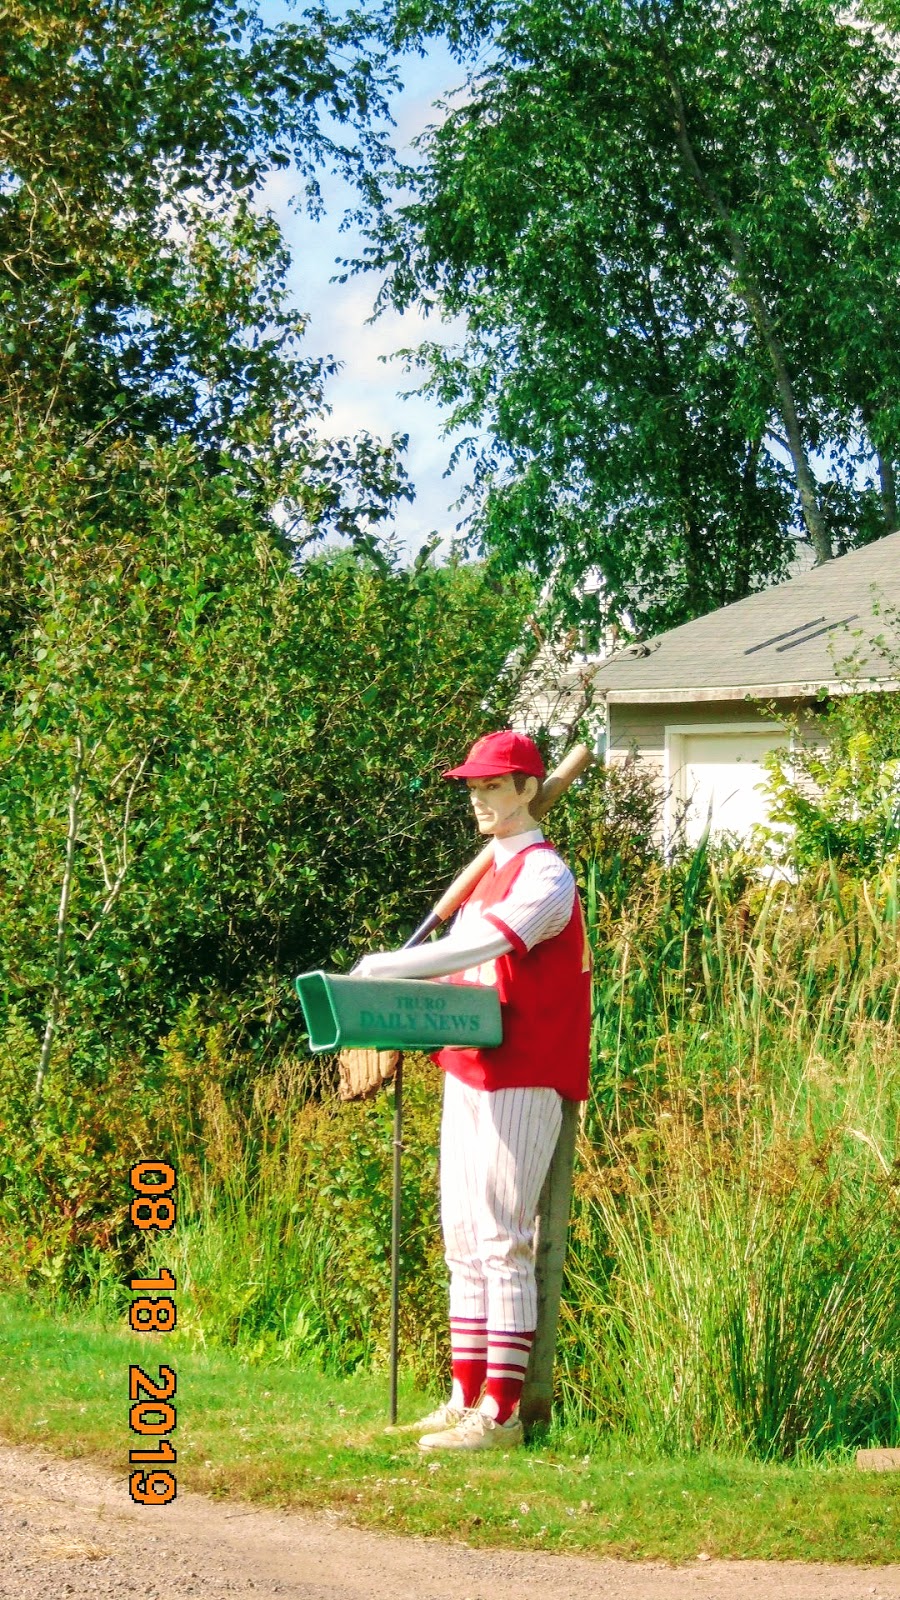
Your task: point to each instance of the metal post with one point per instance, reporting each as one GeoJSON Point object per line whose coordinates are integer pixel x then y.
{"type": "Point", "coordinates": [395, 1237]}
{"type": "Point", "coordinates": [550, 1255]}
{"type": "Point", "coordinates": [419, 937]}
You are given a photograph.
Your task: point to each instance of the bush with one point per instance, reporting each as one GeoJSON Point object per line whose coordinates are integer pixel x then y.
{"type": "Point", "coordinates": [222, 774]}
{"type": "Point", "coordinates": [610, 825]}
{"type": "Point", "coordinates": [64, 1193]}
{"type": "Point", "coordinates": [836, 797]}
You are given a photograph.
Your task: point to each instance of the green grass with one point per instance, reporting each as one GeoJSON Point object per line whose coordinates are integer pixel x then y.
{"type": "Point", "coordinates": [290, 1437]}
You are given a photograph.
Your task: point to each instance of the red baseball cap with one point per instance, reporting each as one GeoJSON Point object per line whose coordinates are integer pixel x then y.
{"type": "Point", "coordinates": [498, 753]}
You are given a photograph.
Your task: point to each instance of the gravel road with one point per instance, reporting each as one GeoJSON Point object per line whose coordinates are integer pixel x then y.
{"type": "Point", "coordinates": [68, 1531]}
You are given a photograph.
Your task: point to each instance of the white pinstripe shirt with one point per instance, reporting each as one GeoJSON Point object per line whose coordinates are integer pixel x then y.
{"type": "Point", "coordinates": [537, 906]}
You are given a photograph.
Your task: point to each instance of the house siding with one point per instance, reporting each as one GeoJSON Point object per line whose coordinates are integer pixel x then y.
{"type": "Point", "coordinates": [638, 730]}
{"type": "Point", "coordinates": [641, 729]}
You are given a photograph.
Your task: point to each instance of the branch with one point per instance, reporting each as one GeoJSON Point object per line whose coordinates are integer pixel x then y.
{"type": "Point", "coordinates": [114, 889]}
{"type": "Point", "coordinates": [62, 918]}
{"type": "Point", "coordinates": [778, 439]}
{"type": "Point", "coordinates": [107, 880]}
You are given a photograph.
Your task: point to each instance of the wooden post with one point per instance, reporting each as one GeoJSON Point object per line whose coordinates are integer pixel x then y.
{"type": "Point", "coordinates": [878, 1460]}
{"type": "Point", "coordinates": [550, 1255]}
{"type": "Point", "coordinates": [396, 1208]}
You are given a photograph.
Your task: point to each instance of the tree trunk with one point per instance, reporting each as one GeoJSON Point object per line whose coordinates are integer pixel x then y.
{"type": "Point", "coordinates": [62, 923]}
{"type": "Point", "coordinates": [750, 292]}
{"type": "Point", "coordinates": [887, 481]}
{"type": "Point", "coordinates": [888, 484]}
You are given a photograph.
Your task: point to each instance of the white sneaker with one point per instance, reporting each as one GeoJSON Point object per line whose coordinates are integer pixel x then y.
{"type": "Point", "coordinates": [446, 1416]}
{"type": "Point", "coordinates": [477, 1431]}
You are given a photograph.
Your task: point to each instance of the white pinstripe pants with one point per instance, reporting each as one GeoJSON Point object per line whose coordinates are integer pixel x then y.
{"type": "Point", "coordinates": [496, 1147]}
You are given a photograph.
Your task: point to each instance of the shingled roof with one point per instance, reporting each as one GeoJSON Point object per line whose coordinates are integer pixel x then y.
{"type": "Point", "coordinates": [787, 641]}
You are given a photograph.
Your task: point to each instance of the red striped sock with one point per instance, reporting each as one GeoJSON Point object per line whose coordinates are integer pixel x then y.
{"type": "Point", "coordinates": [507, 1361]}
{"type": "Point", "coordinates": [468, 1345]}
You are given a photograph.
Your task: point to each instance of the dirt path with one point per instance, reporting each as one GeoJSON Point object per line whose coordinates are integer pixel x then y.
{"type": "Point", "coordinates": [69, 1532]}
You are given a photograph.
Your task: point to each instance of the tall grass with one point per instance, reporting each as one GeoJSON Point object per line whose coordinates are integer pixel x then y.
{"type": "Point", "coordinates": [283, 1243]}
{"type": "Point", "coordinates": [734, 1268]}
{"type": "Point", "coordinates": [734, 1277]}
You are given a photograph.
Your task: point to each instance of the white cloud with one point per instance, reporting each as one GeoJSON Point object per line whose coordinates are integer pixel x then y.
{"type": "Point", "coordinates": [366, 393]}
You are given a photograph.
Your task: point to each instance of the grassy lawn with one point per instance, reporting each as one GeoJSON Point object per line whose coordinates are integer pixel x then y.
{"type": "Point", "coordinates": [293, 1438]}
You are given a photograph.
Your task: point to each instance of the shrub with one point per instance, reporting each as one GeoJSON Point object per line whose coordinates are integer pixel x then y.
{"type": "Point", "coordinates": [202, 802]}
{"type": "Point", "coordinates": [835, 793]}
{"type": "Point", "coordinates": [610, 825]}
{"type": "Point", "coordinates": [64, 1194]}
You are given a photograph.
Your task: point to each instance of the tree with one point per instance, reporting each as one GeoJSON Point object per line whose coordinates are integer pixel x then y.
{"type": "Point", "coordinates": [219, 772]}
{"type": "Point", "coordinates": [142, 279]}
{"type": "Point", "coordinates": [162, 454]}
{"type": "Point", "coordinates": [674, 234]}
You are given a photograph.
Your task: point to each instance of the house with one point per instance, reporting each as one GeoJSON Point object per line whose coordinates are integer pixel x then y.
{"type": "Point", "coordinates": [704, 702]}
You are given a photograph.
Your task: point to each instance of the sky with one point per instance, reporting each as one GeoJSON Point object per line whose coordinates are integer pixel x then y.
{"type": "Point", "coordinates": [367, 392]}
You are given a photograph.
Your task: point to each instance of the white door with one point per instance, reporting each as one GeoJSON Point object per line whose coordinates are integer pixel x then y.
{"type": "Point", "coordinates": [719, 778]}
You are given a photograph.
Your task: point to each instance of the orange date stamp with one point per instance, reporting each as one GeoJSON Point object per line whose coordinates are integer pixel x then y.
{"type": "Point", "coordinates": [152, 1415]}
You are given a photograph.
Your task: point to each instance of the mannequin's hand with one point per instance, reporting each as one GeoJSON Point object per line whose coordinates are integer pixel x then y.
{"type": "Point", "coordinates": [373, 966]}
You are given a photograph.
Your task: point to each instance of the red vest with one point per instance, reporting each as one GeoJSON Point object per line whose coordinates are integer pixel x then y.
{"type": "Point", "coordinates": [545, 999]}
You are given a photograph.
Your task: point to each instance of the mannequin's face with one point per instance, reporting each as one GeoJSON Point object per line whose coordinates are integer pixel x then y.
{"type": "Point", "coordinates": [500, 809]}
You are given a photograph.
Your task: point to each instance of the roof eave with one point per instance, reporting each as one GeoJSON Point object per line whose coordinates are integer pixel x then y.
{"type": "Point", "coordinates": [761, 691]}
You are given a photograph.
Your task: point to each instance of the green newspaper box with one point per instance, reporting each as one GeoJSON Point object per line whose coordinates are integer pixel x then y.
{"type": "Point", "coordinates": [396, 1014]}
